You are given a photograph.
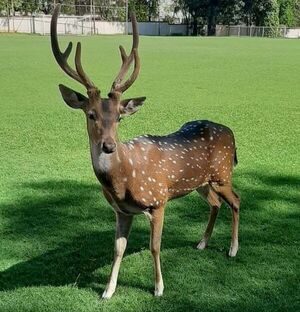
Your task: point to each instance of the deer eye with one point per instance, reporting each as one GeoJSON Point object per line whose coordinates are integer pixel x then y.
{"type": "Point", "coordinates": [92, 115]}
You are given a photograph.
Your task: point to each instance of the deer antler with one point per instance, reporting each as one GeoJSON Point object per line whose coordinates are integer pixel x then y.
{"type": "Point", "coordinates": [127, 60]}
{"type": "Point", "coordinates": [62, 57]}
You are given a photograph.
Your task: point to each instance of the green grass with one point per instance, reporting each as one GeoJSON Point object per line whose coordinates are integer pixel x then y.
{"type": "Point", "coordinates": [56, 229]}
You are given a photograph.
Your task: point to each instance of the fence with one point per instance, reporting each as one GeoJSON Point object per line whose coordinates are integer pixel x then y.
{"type": "Point", "coordinates": [85, 25]}
{"type": "Point", "coordinates": [258, 31]}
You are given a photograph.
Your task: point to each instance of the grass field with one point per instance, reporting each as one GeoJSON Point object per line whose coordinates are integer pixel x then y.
{"type": "Point", "coordinates": [56, 229]}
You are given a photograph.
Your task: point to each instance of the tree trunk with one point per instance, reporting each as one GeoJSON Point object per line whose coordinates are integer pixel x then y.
{"type": "Point", "coordinates": [211, 20]}
{"type": "Point", "coordinates": [195, 26]}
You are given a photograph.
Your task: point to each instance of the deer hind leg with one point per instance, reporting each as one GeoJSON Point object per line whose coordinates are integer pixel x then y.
{"type": "Point", "coordinates": [123, 227]}
{"type": "Point", "coordinates": [156, 222]}
{"type": "Point", "coordinates": [214, 202]}
{"type": "Point", "coordinates": [232, 199]}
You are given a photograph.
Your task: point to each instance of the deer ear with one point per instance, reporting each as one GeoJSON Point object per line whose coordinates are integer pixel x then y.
{"type": "Point", "coordinates": [131, 106]}
{"type": "Point", "coordinates": [73, 98]}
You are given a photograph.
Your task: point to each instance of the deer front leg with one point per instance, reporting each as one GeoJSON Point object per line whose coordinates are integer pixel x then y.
{"type": "Point", "coordinates": [157, 218]}
{"type": "Point", "coordinates": [123, 227]}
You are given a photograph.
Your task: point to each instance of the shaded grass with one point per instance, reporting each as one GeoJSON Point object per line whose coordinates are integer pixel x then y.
{"type": "Point", "coordinates": [56, 229]}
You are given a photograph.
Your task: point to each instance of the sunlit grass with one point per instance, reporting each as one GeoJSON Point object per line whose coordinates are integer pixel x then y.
{"type": "Point", "coordinates": [56, 229]}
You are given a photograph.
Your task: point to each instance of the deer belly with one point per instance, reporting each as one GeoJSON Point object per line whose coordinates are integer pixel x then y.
{"type": "Point", "coordinates": [184, 187]}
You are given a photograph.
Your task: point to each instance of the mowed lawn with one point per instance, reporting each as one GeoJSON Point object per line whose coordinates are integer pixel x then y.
{"type": "Point", "coordinates": [56, 229]}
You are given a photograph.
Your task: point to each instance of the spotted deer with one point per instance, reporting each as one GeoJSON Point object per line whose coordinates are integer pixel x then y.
{"type": "Point", "coordinates": [142, 175]}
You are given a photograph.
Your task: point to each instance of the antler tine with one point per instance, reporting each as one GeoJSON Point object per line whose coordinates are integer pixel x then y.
{"type": "Point", "coordinates": [135, 34]}
{"type": "Point", "coordinates": [62, 57]}
{"type": "Point", "coordinates": [127, 60]}
{"type": "Point", "coordinates": [80, 71]}
{"type": "Point", "coordinates": [135, 73]}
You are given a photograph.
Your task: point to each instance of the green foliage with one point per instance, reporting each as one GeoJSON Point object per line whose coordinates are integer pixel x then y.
{"type": "Point", "coordinates": [269, 13]}
{"type": "Point", "coordinates": [263, 13]}
{"type": "Point", "coordinates": [145, 10]}
{"type": "Point", "coordinates": [140, 8]}
{"type": "Point", "coordinates": [3, 4]}
{"type": "Point", "coordinates": [56, 228]}
{"type": "Point", "coordinates": [7, 5]}
{"type": "Point", "coordinates": [272, 19]}
{"type": "Point", "coordinates": [286, 12]}
{"type": "Point", "coordinates": [266, 13]}
{"type": "Point", "coordinates": [211, 12]}
{"type": "Point", "coordinates": [297, 13]}
{"type": "Point", "coordinates": [30, 6]}
{"type": "Point", "coordinates": [231, 12]}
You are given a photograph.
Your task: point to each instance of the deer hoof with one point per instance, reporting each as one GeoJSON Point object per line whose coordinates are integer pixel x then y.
{"type": "Point", "coordinates": [107, 294]}
{"type": "Point", "coordinates": [158, 292]}
{"type": "Point", "coordinates": [233, 251]}
{"type": "Point", "coordinates": [202, 245]}
{"type": "Point", "coordinates": [159, 289]}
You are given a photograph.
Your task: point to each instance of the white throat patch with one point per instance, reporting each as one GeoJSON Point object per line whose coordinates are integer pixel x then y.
{"type": "Point", "coordinates": [104, 162]}
{"type": "Point", "coordinates": [101, 161]}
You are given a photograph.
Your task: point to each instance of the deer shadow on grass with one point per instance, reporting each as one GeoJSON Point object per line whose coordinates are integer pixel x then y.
{"type": "Point", "coordinates": [53, 207]}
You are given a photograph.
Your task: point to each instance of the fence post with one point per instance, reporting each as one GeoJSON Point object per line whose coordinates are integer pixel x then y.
{"type": "Point", "coordinates": [285, 32]}
{"type": "Point", "coordinates": [263, 31]}
{"type": "Point", "coordinates": [82, 26]}
{"type": "Point", "coordinates": [13, 15]}
{"type": "Point", "coordinates": [239, 31]}
{"type": "Point", "coordinates": [33, 24]}
{"type": "Point", "coordinates": [8, 28]}
{"type": "Point", "coordinates": [91, 13]}
{"type": "Point", "coordinates": [43, 25]}
{"type": "Point", "coordinates": [126, 17]}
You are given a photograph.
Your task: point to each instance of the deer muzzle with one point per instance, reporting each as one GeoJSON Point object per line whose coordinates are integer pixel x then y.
{"type": "Point", "coordinates": [108, 146]}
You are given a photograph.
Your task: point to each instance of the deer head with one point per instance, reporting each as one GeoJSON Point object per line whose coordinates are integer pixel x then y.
{"type": "Point", "coordinates": [102, 114]}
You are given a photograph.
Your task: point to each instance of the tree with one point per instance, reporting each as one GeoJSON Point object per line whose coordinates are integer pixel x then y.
{"type": "Point", "coordinates": [286, 12]}
{"type": "Point", "coordinates": [29, 6]}
{"type": "Point", "coordinates": [231, 12]}
{"type": "Point", "coordinates": [145, 10]}
{"type": "Point", "coordinates": [45, 7]}
{"type": "Point", "coordinates": [297, 13]}
{"type": "Point", "coordinates": [211, 12]}
{"type": "Point", "coordinates": [248, 12]}
{"type": "Point", "coordinates": [266, 13]}
{"type": "Point", "coordinates": [4, 5]}
{"type": "Point", "coordinates": [197, 11]}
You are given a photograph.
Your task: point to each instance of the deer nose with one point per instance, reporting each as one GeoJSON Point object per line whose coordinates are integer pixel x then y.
{"type": "Point", "coordinates": [108, 147]}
